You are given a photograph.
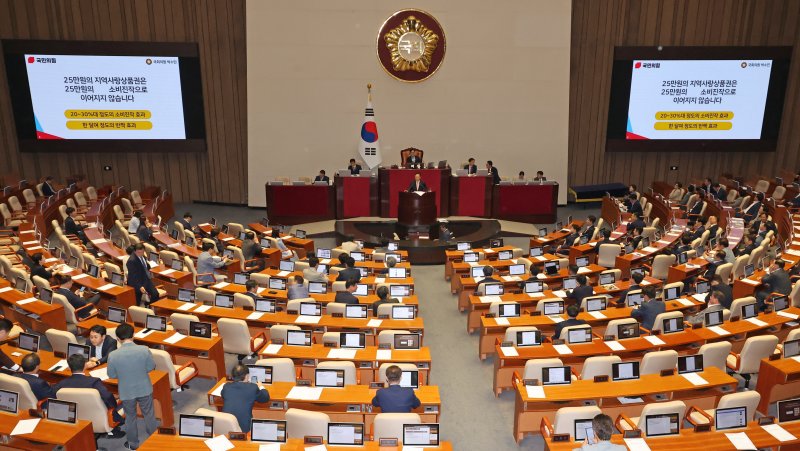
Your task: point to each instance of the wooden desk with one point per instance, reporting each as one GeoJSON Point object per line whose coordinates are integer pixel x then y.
{"type": "Point", "coordinates": [282, 295]}
{"type": "Point", "coordinates": [455, 256]}
{"type": "Point", "coordinates": [297, 204]}
{"type": "Point", "coordinates": [120, 296]}
{"type": "Point", "coordinates": [555, 236]}
{"type": "Point", "coordinates": [206, 353]}
{"type": "Point", "coordinates": [176, 246]}
{"type": "Point", "coordinates": [38, 315]}
{"type": "Point", "coordinates": [73, 437]}
{"type": "Point", "coordinates": [158, 442]}
{"type": "Point", "coordinates": [471, 195]}
{"type": "Point", "coordinates": [105, 246]}
{"type": "Point", "coordinates": [393, 181]}
{"type": "Point", "coordinates": [679, 273]}
{"type": "Point", "coordinates": [528, 412]}
{"type": "Point", "coordinates": [777, 380]}
{"type": "Point", "coordinates": [292, 242]}
{"type": "Point", "coordinates": [533, 202]}
{"type": "Point", "coordinates": [361, 192]}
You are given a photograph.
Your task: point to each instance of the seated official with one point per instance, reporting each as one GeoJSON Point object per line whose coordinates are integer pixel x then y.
{"type": "Point", "coordinates": [685, 246]}
{"type": "Point", "coordinates": [71, 227]}
{"type": "Point", "coordinates": [493, 172]}
{"type": "Point", "coordinates": [712, 226]}
{"type": "Point", "coordinates": [207, 263]}
{"type": "Point", "coordinates": [383, 298]}
{"type": "Point", "coordinates": [321, 177]}
{"type": "Point", "coordinates": [186, 222]}
{"type": "Point", "coordinates": [590, 226]}
{"type": "Point", "coordinates": [635, 221]}
{"type": "Point", "coordinates": [65, 283]}
{"type": "Point", "coordinates": [521, 176]}
{"type": "Point", "coordinates": [677, 192]}
{"type": "Point", "coordinates": [539, 177]}
{"type": "Point", "coordinates": [413, 160]}
{"type": "Point", "coordinates": [603, 428]}
{"type": "Point", "coordinates": [297, 289]}
{"type": "Point", "coordinates": [650, 308]}
{"type": "Point", "coordinates": [136, 220]}
{"type": "Point", "coordinates": [417, 184]}
{"type": "Point", "coordinates": [572, 313]}
{"type": "Point", "coordinates": [5, 361]}
{"type": "Point", "coordinates": [488, 271]}
{"type": "Point", "coordinates": [583, 290]}
{"type": "Point", "coordinates": [394, 398]}
{"type": "Point", "coordinates": [250, 248]}
{"type": "Point", "coordinates": [239, 396]}
{"type": "Point", "coordinates": [444, 233]}
{"type": "Point", "coordinates": [144, 233]}
{"type": "Point", "coordinates": [634, 206]}
{"type": "Point", "coordinates": [350, 272]}
{"type": "Point", "coordinates": [390, 262]}
{"type": "Point", "coordinates": [687, 195]}
{"type": "Point", "coordinates": [637, 278]}
{"type": "Point", "coordinates": [30, 372]}
{"type": "Point", "coordinates": [37, 269]}
{"type": "Point", "coordinates": [777, 281]}
{"type": "Point", "coordinates": [311, 274]}
{"type": "Point", "coordinates": [213, 235]}
{"type": "Point", "coordinates": [569, 240]}
{"type": "Point", "coordinates": [751, 211]}
{"type": "Point", "coordinates": [717, 260]}
{"type": "Point", "coordinates": [354, 168]}
{"type": "Point", "coordinates": [726, 293]}
{"type": "Point", "coordinates": [746, 246]}
{"type": "Point", "coordinates": [100, 345]}
{"type": "Point", "coordinates": [713, 305]}
{"type": "Point", "coordinates": [721, 245]}
{"type": "Point", "coordinates": [699, 228]}
{"type": "Point", "coordinates": [77, 364]}
{"type": "Point", "coordinates": [719, 191]}
{"type": "Point", "coordinates": [347, 296]}
{"type": "Point", "coordinates": [471, 167]}
{"type": "Point", "coordinates": [636, 237]}
{"type": "Point", "coordinates": [48, 189]}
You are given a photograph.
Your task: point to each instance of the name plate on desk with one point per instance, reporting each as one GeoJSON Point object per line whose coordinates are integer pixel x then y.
{"type": "Point", "coordinates": [560, 438]}
{"type": "Point", "coordinates": [237, 436]}
{"type": "Point", "coordinates": [633, 433]}
{"type": "Point", "coordinates": [388, 442]}
{"type": "Point", "coordinates": [668, 372]}
{"type": "Point", "coordinates": [166, 431]}
{"type": "Point", "coordinates": [702, 427]}
{"type": "Point", "coordinates": [312, 440]}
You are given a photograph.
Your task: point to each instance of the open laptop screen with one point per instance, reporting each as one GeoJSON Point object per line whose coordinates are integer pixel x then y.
{"type": "Point", "coordinates": [424, 434]}
{"type": "Point", "coordinates": [351, 434]}
{"type": "Point", "coordinates": [690, 364]}
{"type": "Point", "coordinates": [730, 418]}
{"type": "Point", "coordinates": [624, 371]}
{"type": "Point", "coordinates": [556, 375]}
{"type": "Point", "coordinates": [196, 426]}
{"type": "Point", "coordinates": [9, 401]}
{"type": "Point", "coordinates": [663, 424]}
{"type": "Point", "coordinates": [789, 410]}
{"type": "Point", "coordinates": [64, 411]}
{"type": "Point", "coordinates": [268, 430]}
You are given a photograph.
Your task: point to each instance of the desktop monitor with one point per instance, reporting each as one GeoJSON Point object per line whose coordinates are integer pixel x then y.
{"type": "Point", "coordinates": [634, 298]}
{"type": "Point", "coordinates": [117, 279]}
{"type": "Point", "coordinates": [409, 379]}
{"type": "Point", "coordinates": [509, 310]}
{"type": "Point", "coordinates": [516, 270]}
{"type": "Point", "coordinates": [493, 289]}
{"type": "Point", "coordinates": [505, 255]}
{"type": "Point", "coordinates": [117, 315]}
{"type": "Point", "coordinates": [471, 257]}
{"type": "Point", "coordinates": [298, 338]}
{"type": "Point", "coordinates": [595, 304]}
{"type": "Point", "coordinates": [223, 300]}
{"type": "Point", "coordinates": [265, 305]}
{"type": "Point", "coordinates": [536, 252]}
{"type": "Point", "coordinates": [730, 418]}
{"type": "Point", "coordinates": [551, 268]}
{"type": "Point", "coordinates": [317, 287]}
{"type": "Point", "coordinates": [46, 295]}
{"type": "Point", "coordinates": [200, 329]}
{"type": "Point", "coordinates": [583, 239]}
{"type": "Point", "coordinates": [463, 246]}
{"type": "Point", "coordinates": [310, 309]}
{"type": "Point", "coordinates": [713, 318]}
{"type": "Point", "coordinates": [190, 242]}
{"type": "Point", "coordinates": [196, 426]}
{"type": "Point", "coordinates": [301, 234]}
{"type": "Point", "coordinates": [155, 322]}
{"type": "Point", "coordinates": [542, 232]}
{"type": "Point", "coordinates": [646, 242]}
{"type": "Point", "coordinates": [534, 287]}
{"type": "Point", "coordinates": [286, 265]}
{"type": "Point", "coordinates": [9, 401]}
{"type": "Point", "coordinates": [672, 293]}
{"type": "Point", "coordinates": [749, 310]}
{"type": "Point", "coordinates": [20, 284]}
{"type": "Point", "coordinates": [789, 410]}
{"type": "Point", "coordinates": [662, 424]}
{"type": "Point", "coordinates": [690, 363]}
{"type": "Point", "coordinates": [265, 243]}
{"type": "Point", "coordinates": [406, 341]}
{"type": "Point", "coordinates": [553, 308]}
{"type": "Point", "coordinates": [361, 289]}
{"type": "Point", "coordinates": [672, 325]}
{"type": "Point", "coordinates": [261, 373]}
{"type": "Point", "coordinates": [780, 303]}
{"type": "Point", "coordinates": [357, 256]}
{"type": "Point", "coordinates": [352, 340]}
{"type": "Point", "coordinates": [423, 434]}
{"type": "Point", "coordinates": [529, 338]}
{"type": "Point", "coordinates": [345, 434]}
{"type": "Point", "coordinates": [355, 311]}
{"type": "Point", "coordinates": [702, 287]}
{"type": "Point", "coordinates": [403, 312]}
{"type": "Point", "coordinates": [749, 270]}
{"type": "Point", "coordinates": [607, 278]}
{"type": "Point", "coordinates": [63, 411]}
{"type": "Point", "coordinates": [583, 429]}
{"type": "Point", "coordinates": [177, 265]}
{"type": "Point", "coordinates": [556, 375]}
{"type": "Point", "coordinates": [75, 348]}
{"type": "Point", "coordinates": [185, 295]}
{"type": "Point", "coordinates": [328, 378]}
{"type": "Point", "coordinates": [363, 271]}
{"type": "Point", "coordinates": [638, 270]}
{"type": "Point", "coordinates": [93, 270]}
{"type": "Point", "coordinates": [683, 257]}
{"type": "Point", "coordinates": [580, 262]}
{"type": "Point", "coordinates": [791, 348]}
{"type": "Point", "coordinates": [580, 335]}
{"type": "Point", "coordinates": [241, 278]}
{"type": "Point", "coordinates": [570, 283]}
{"type": "Point", "coordinates": [28, 342]}
{"type": "Point", "coordinates": [476, 272]}
{"type": "Point", "coordinates": [399, 290]}
{"type": "Point", "coordinates": [277, 284]}
{"type": "Point", "coordinates": [629, 248]}
{"type": "Point", "coordinates": [397, 257]}
{"type": "Point", "coordinates": [227, 253]}
{"type": "Point", "coordinates": [397, 273]}
{"type": "Point", "coordinates": [323, 253]}
{"type": "Point", "coordinates": [624, 371]}
{"type": "Point", "coordinates": [629, 330]}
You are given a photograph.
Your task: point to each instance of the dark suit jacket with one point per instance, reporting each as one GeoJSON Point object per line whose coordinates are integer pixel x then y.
{"type": "Point", "coordinates": [751, 211]}
{"type": "Point", "coordinates": [40, 388]}
{"type": "Point", "coordinates": [413, 161]}
{"type": "Point", "coordinates": [778, 281]}
{"type": "Point", "coordinates": [633, 225]}
{"type": "Point", "coordinates": [413, 186]}
{"type": "Point", "coordinates": [47, 190]}
{"type": "Point", "coordinates": [348, 274]}
{"type": "Point", "coordinates": [74, 300]}
{"type": "Point", "coordinates": [495, 175]}
{"type": "Point", "coordinates": [635, 207]}
{"type": "Point", "coordinates": [41, 271]}
{"type": "Point", "coordinates": [698, 233]}
{"type": "Point", "coordinates": [727, 294]}
{"type": "Point", "coordinates": [697, 207]}
{"type": "Point", "coordinates": [354, 170]}
{"type": "Point", "coordinates": [83, 381]}
{"type": "Point", "coordinates": [5, 361]}
{"type": "Point", "coordinates": [380, 302]}
{"type": "Point", "coordinates": [185, 224]}
{"type": "Point", "coordinates": [345, 297]}
{"type": "Point", "coordinates": [712, 268]}
{"type": "Point", "coordinates": [647, 312]}
{"type": "Point", "coordinates": [322, 178]}
{"type": "Point", "coordinates": [138, 273]}
{"type": "Point", "coordinates": [624, 293]}
{"type": "Point", "coordinates": [144, 234]}
{"type": "Point", "coordinates": [588, 232]}
{"type": "Point", "coordinates": [721, 193]}
{"type": "Point", "coordinates": [569, 322]}
{"type": "Point", "coordinates": [471, 169]}
{"type": "Point", "coordinates": [238, 399]}
{"type": "Point", "coordinates": [71, 227]}
{"type": "Point", "coordinates": [108, 345]}
{"type": "Point", "coordinates": [580, 292]}
{"type": "Point", "coordinates": [396, 399]}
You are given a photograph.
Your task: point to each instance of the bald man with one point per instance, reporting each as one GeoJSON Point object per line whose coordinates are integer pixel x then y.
{"type": "Point", "coordinates": [417, 184]}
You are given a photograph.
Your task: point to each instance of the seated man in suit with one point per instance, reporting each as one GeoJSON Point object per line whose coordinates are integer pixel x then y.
{"type": "Point", "coordinates": [699, 228]}
{"type": "Point", "coordinates": [417, 184]}
{"type": "Point", "coordinates": [726, 294]}
{"type": "Point", "coordinates": [721, 245]}
{"type": "Point", "coordinates": [354, 167]}
{"type": "Point", "coordinates": [776, 281]}
{"type": "Point", "coordinates": [572, 312]}
{"type": "Point", "coordinates": [471, 167]}
{"type": "Point", "coordinates": [487, 275]}
{"type": "Point", "coordinates": [73, 228]}
{"type": "Point", "coordinates": [390, 262]}
{"type": "Point", "coordinates": [521, 176]}
{"type": "Point", "coordinates": [539, 177]}
{"type": "Point", "coordinates": [413, 160]}
{"type": "Point", "coordinates": [685, 246]}
{"type": "Point", "coordinates": [250, 248]}
{"type": "Point", "coordinates": [297, 289]}
{"type": "Point", "coordinates": [493, 172]}
{"type": "Point", "coordinates": [637, 278]}
{"type": "Point", "coordinates": [144, 233]}
{"type": "Point", "coordinates": [635, 206]}
{"type": "Point", "coordinates": [747, 245]}
{"type": "Point", "coordinates": [186, 222]}
{"type": "Point", "coordinates": [444, 233]}
{"type": "Point", "coordinates": [751, 211]}
{"type": "Point", "coordinates": [77, 364]}
{"type": "Point", "coordinates": [100, 345]}
{"type": "Point", "coordinates": [5, 361]}
{"type": "Point", "coordinates": [394, 398]}
{"type": "Point", "coordinates": [47, 186]}
{"type": "Point", "coordinates": [716, 261]}
{"type": "Point", "coordinates": [583, 289]}
{"type": "Point", "coordinates": [321, 177]}
{"type": "Point", "coordinates": [636, 237]}
{"type": "Point", "coordinates": [603, 428]}
{"type": "Point", "coordinates": [30, 372]}
{"type": "Point", "coordinates": [311, 274]}
{"type": "Point", "coordinates": [383, 298]}
{"type": "Point", "coordinates": [350, 272]}
{"type": "Point", "coordinates": [569, 241]}
{"type": "Point", "coordinates": [139, 276]}
{"type": "Point", "coordinates": [591, 223]}
{"type": "Point", "coordinates": [677, 192]}
{"type": "Point", "coordinates": [64, 282]}
{"type": "Point", "coordinates": [712, 305]}
{"type": "Point", "coordinates": [635, 221]}
{"type": "Point", "coordinates": [239, 396]}
{"type": "Point", "coordinates": [37, 269]}
{"type": "Point", "coordinates": [207, 263]}
{"type": "Point", "coordinates": [687, 195]}
{"type": "Point", "coordinates": [650, 308]}
{"type": "Point", "coordinates": [347, 296]}
{"type": "Point", "coordinates": [719, 191]}
{"type": "Point", "coordinates": [213, 235]}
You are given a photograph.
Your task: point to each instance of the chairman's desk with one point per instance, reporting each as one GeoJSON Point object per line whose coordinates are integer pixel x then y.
{"type": "Point", "coordinates": [367, 360]}
{"type": "Point", "coordinates": [351, 403]}
{"type": "Point", "coordinates": [160, 442]}
{"type": "Point", "coordinates": [709, 441]}
{"type": "Point", "coordinates": [528, 412]}
{"type": "Point", "coordinates": [297, 204]}
{"type": "Point", "coordinates": [777, 380]}
{"type": "Point", "coordinates": [258, 321]}
{"type": "Point", "coordinates": [532, 202]}
{"type": "Point", "coordinates": [162, 394]}
{"type": "Point", "coordinates": [47, 435]}
{"type": "Point", "coordinates": [492, 330]}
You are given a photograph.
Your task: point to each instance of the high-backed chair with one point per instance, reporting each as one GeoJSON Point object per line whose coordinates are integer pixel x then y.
{"type": "Point", "coordinates": [197, 277]}
{"type": "Point", "coordinates": [607, 255]}
{"type": "Point", "coordinates": [138, 314]}
{"type": "Point", "coordinates": [179, 375]}
{"type": "Point", "coordinates": [283, 369]}
{"type": "Point", "coordinates": [494, 307]}
{"type": "Point", "coordinates": [748, 361]}
{"type": "Point", "coordinates": [204, 295]}
{"type": "Point", "coordinates": [540, 305]}
{"type": "Point", "coordinates": [300, 423]}
{"type": "Point", "coordinates": [737, 272]}
{"type": "Point", "coordinates": [349, 368]}
{"type": "Point", "coordinates": [598, 366]}
{"type": "Point", "coordinates": [243, 301]}
{"type": "Point", "coordinates": [655, 361]}
{"type": "Point", "coordinates": [738, 304]}
{"type": "Point", "coordinates": [59, 339]}
{"type": "Point", "coordinates": [612, 328]}
{"type": "Point", "coordinates": [724, 271]}
{"type": "Point", "coordinates": [90, 407]}
{"type": "Point", "coordinates": [71, 313]}
{"type": "Point", "coordinates": [390, 425]}
{"type": "Point", "coordinates": [624, 423]}
{"type": "Point", "coordinates": [715, 354]}
{"type": "Point", "coordinates": [236, 337]}
{"type": "Point", "coordinates": [747, 399]}
{"type": "Point", "coordinates": [27, 400]}
{"type": "Point", "coordinates": [384, 366]}
{"type": "Point", "coordinates": [511, 332]}
{"type": "Point", "coordinates": [279, 331]}
{"type": "Point", "coordinates": [659, 321]}
{"type": "Point", "coordinates": [180, 321]}
{"type": "Point", "coordinates": [387, 336]}
{"type": "Point", "coordinates": [167, 257]}
{"type": "Point", "coordinates": [564, 422]}
{"type": "Point", "coordinates": [223, 422]}
{"type": "Point", "coordinates": [533, 367]}
{"type": "Point", "coordinates": [661, 264]}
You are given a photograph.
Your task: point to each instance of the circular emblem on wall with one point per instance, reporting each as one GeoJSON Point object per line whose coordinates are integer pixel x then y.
{"type": "Point", "coordinates": [411, 45]}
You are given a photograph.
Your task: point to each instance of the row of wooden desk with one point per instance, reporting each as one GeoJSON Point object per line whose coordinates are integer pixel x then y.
{"type": "Point", "coordinates": [159, 442]}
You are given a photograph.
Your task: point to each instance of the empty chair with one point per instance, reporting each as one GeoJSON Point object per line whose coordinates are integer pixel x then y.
{"type": "Point", "coordinates": [139, 314]}
{"type": "Point", "coordinates": [278, 331]}
{"type": "Point", "coordinates": [779, 192]}
{"type": "Point", "coordinates": [737, 272]}
{"type": "Point", "coordinates": [747, 399]}
{"type": "Point", "coordinates": [223, 422]}
{"type": "Point", "coordinates": [236, 337]}
{"type": "Point", "coordinates": [533, 367]}
{"type": "Point", "coordinates": [59, 339]}
{"type": "Point", "coordinates": [349, 368]}
{"type": "Point", "coordinates": [167, 257]}
{"type": "Point", "coordinates": [761, 186]}
{"type": "Point", "coordinates": [656, 361]}
{"type": "Point", "coordinates": [598, 366]}
{"type": "Point", "coordinates": [607, 255]}
{"type": "Point", "coordinates": [9, 219]}
{"type": "Point", "coordinates": [337, 307]}
{"type": "Point", "coordinates": [494, 307]}
{"type": "Point", "coordinates": [261, 279]}
{"type": "Point", "coordinates": [176, 225]}
{"type": "Point", "coordinates": [661, 264]}
{"type": "Point", "coordinates": [243, 301]}
{"type": "Point", "coordinates": [511, 332]}
{"type": "Point", "coordinates": [613, 326]}
{"type": "Point", "coordinates": [30, 198]}
{"type": "Point", "coordinates": [748, 361]}
{"type": "Point", "coordinates": [738, 304]}
{"type": "Point", "coordinates": [234, 229]}
{"type": "Point", "coordinates": [658, 324]}
{"type": "Point", "coordinates": [204, 295]}
{"type": "Point", "coordinates": [338, 286]}
{"type": "Point", "coordinates": [189, 264]}
{"type": "Point", "coordinates": [715, 354]}
{"type": "Point", "coordinates": [390, 425]}
{"type": "Point", "coordinates": [180, 321]}
{"type": "Point", "coordinates": [724, 271]}
{"type": "Point", "coordinates": [655, 408]}
{"type": "Point", "coordinates": [283, 369]}
{"type": "Point", "coordinates": [300, 423]}
{"type": "Point", "coordinates": [179, 375]}
{"type": "Point", "coordinates": [136, 199]}
{"type": "Point", "coordinates": [90, 407]}
{"type": "Point", "coordinates": [403, 367]}
{"type": "Point", "coordinates": [564, 422]}
{"type": "Point", "coordinates": [387, 336]}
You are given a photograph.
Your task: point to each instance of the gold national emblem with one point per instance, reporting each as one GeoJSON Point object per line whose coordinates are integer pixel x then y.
{"type": "Point", "coordinates": [411, 45]}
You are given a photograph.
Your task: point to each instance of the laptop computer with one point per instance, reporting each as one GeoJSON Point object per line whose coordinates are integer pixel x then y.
{"type": "Point", "coordinates": [195, 426]}
{"type": "Point", "coordinates": [713, 318]}
{"type": "Point", "coordinates": [310, 309]}
{"type": "Point", "coordinates": [607, 278]}
{"type": "Point", "coordinates": [63, 411]}
{"type": "Point", "coordinates": [630, 330]}
{"type": "Point", "coordinates": [277, 284]}
{"type": "Point", "coordinates": [463, 245]}
{"type": "Point", "coordinates": [507, 310]}
{"type": "Point", "coordinates": [493, 289]}
{"type": "Point", "coordinates": [223, 300]}
{"type": "Point", "coordinates": [580, 335]}
{"type": "Point", "coordinates": [690, 364]}
{"type": "Point", "coordinates": [672, 325]}
{"type": "Point", "coordinates": [409, 379]}
{"type": "Point", "coordinates": [345, 434]}
{"type": "Point", "coordinates": [423, 434]}
{"type": "Point", "coordinates": [553, 308]}
{"type": "Point", "coordinates": [529, 338]}
{"type": "Point", "coordinates": [534, 286]}
{"type": "Point", "coordinates": [9, 401]}
{"type": "Point", "coordinates": [75, 348]}
{"type": "Point", "coordinates": [791, 348]}
{"type": "Point", "coordinates": [596, 304]}
{"type": "Point", "coordinates": [730, 418]}
{"type": "Point", "coordinates": [406, 341]}
{"type": "Point", "coordinates": [298, 338]}
{"type": "Point", "coordinates": [117, 315]}
{"type": "Point", "coordinates": [271, 431]}
{"type": "Point", "coordinates": [352, 340]}
{"type": "Point", "coordinates": [259, 373]}
{"type": "Point", "coordinates": [355, 311]}
{"type": "Point", "coordinates": [662, 424]}
{"type": "Point", "coordinates": [516, 270]}
{"type": "Point", "coordinates": [328, 378]}
{"type": "Point", "coordinates": [28, 342]}
{"type": "Point", "coordinates": [556, 375]}
{"type": "Point", "coordinates": [406, 312]}
{"type": "Point", "coordinates": [471, 257]}
{"type": "Point", "coordinates": [200, 329]}
{"type": "Point", "coordinates": [396, 291]}
{"type": "Point", "coordinates": [623, 371]}
{"type": "Point", "coordinates": [265, 305]}
{"type": "Point", "coordinates": [317, 287]}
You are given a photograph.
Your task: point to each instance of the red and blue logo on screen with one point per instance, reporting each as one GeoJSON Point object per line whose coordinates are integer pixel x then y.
{"type": "Point", "coordinates": [369, 132]}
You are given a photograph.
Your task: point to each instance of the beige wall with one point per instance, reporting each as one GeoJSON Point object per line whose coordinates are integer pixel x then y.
{"type": "Point", "coordinates": [502, 92]}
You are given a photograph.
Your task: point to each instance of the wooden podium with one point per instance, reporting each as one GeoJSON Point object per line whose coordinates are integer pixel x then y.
{"type": "Point", "coordinates": [417, 213]}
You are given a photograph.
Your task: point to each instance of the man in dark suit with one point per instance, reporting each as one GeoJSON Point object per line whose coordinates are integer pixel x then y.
{"type": "Point", "coordinates": [77, 302]}
{"type": "Point", "coordinates": [487, 275]}
{"type": "Point", "coordinates": [636, 237]}
{"type": "Point", "coordinates": [5, 361]}
{"type": "Point", "coordinates": [591, 221]}
{"type": "Point", "coordinates": [493, 172]}
{"type": "Point", "coordinates": [572, 312]}
{"type": "Point", "coordinates": [650, 308]}
{"type": "Point", "coordinates": [100, 345]}
{"type": "Point", "coordinates": [699, 228]}
{"type": "Point", "coordinates": [394, 398]}
{"type": "Point", "coordinates": [685, 246]}
{"type": "Point", "coordinates": [725, 293]}
{"type": "Point", "coordinates": [139, 277]}
{"type": "Point", "coordinates": [417, 184]}
{"type": "Point", "coordinates": [383, 298]}
{"type": "Point", "coordinates": [213, 235]}
{"type": "Point", "coordinates": [583, 289]}
{"type": "Point", "coordinates": [635, 206]}
{"type": "Point", "coordinates": [540, 177]}
{"type": "Point", "coordinates": [747, 245]}
{"type": "Point", "coordinates": [697, 208]}
{"type": "Point", "coordinates": [569, 240]}
{"type": "Point", "coordinates": [413, 160]}
{"type": "Point", "coordinates": [186, 221]}
{"type": "Point", "coordinates": [635, 221]}
{"type": "Point", "coordinates": [768, 225]}
{"type": "Point", "coordinates": [714, 304]}
{"type": "Point", "coordinates": [77, 364]}
{"type": "Point", "coordinates": [637, 278]}
{"type": "Point", "coordinates": [73, 228]}
{"type": "Point", "coordinates": [444, 233]}
{"type": "Point", "coordinates": [47, 187]}
{"type": "Point", "coordinates": [719, 191]}
{"type": "Point", "coordinates": [30, 372]}
{"type": "Point", "coordinates": [144, 233]}
{"type": "Point", "coordinates": [354, 167]}
{"type": "Point", "coordinates": [251, 250]}
{"type": "Point", "coordinates": [347, 296]}
{"type": "Point", "coordinates": [240, 395]}
{"type": "Point", "coordinates": [471, 167]}
{"type": "Point", "coordinates": [37, 269]}
{"type": "Point", "coordinates": [712, 227]}
{"type": "Point", "coordinates": [749, 213]}
{"type": "Point", "coordinates": [777, 281]}
{"type": "Point", "coordinates": [321, 177]}
{"type": "Point", "coordinates": [713, 264]}
{"type": "Point", "coordinates": [350, 272]}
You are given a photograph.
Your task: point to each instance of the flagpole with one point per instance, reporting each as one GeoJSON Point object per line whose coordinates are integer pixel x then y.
{"type": "Point", "coordinates": [369, 92]}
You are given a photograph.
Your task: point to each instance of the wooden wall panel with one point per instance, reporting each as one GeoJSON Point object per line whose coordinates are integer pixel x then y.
{"type": "Point", "coordinates": [217, 175]}
{"type": "Point", "coordinates": [599, 26]}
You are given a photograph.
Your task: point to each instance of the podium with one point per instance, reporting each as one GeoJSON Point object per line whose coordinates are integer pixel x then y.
{"type": "Point", "coordinates": [417, 213]}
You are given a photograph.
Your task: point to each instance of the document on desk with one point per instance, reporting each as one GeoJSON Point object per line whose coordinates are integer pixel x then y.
{"type": "Point", "coordinates": [556, 318]}
{"type": "Point", "coordinates": [718, 330]}
{"type": "Point", "coordinates": [380, 279]}
{"type": "Point", "coordinates": [76, 276]}
{"type": "Point", "coordinates": [61, 365]}
{"type": "Point", "coordinates": [374, 323]}
{"type": "Point", "coordinates": [694, 378]}
{"type": "Point", "coordinates": [796, 358]}
{"type": "Point", "coordinates": [108, 286]}
{"type": "Point", "coordinates": [560, 293]}
{"type": "Point", "coordinates": [176, 337]}
{"type": "Point", "coordinates": [490, 299]}
{"type": "Point", "coordinates": [325, 261]}
{"type": "Point", "coordinates": [305, 393]}
{"type": "Point", "coordinates": [29, 243]}
{"type": "Point", "coordinates": [143, 333]}
{"type": "Point", "coordinates": [187, 306]}
{"type": "Point", "coordinates": [740, 440]}
{"type": "Point", "coordinates": [780, 434]}
{"type": "Point", "coordinates": [584, 270]}
{"type": "Point", "coordinates": [700, 297]}
{"type": "Point", "coordinates": [686, 302]}
{"type": "Point", "coordinates": [255, 316]}
{"type": "Point", "coordinates": [319, 448]}
{"type": "Point", "coordinates": [174, 245]}
{"type": "Point", "coordinates": [751, 282]}
{"type": "Point", "coordinates": [511, 278]}
{"type": "Point", "coordinates": [221, 285]}
{"type": "Point", "coordinates": [536, 295]}
{"type": "Point", "coordinates": [219, 443]}
{"type": "Point", "coordinates": [597, 315]}
{"type": "Point", "coordinates": [534, 391]}
{"type": "Point", "coordinates": [345, 354]}
{"type": "Point", "coordinates": [756, 321]}
{"type": "Point", "coordinates": [562, 349]}
{"type": "Point", "coordinates": [272, 349]}
{"type": "Point", "coordinates": [541, 258]}
{"type": "Point", "coordinates": [488, 251]}
{"type": "Point", "coordinates": [26, 301]}
{"type": "Point", "coordinates": [218, 391]}
{"type": "Point", "coordinates": [203, 308]}
{"type": "Point", "coordinates": [614, 345]}
{"type": "Point", "coordinates": [509, 351]}
{"type": "Point", "coordinates": [631, 400]}
{"type": "Point", "coordinates": [307, 319]}
{"type": "Point", "coordinates": [25, 426]}
{"type": "Point", "coordinates": [270, 447]}
{"type": "Point", "coordinates": [167, 272]}
{"type": "Point", "coordinates": [650, 249]}
{"type": "Point", "coordinates": [383, 354]}
{"type": "Point", "coordinates": [472, 264]}
{"type": "Point", "coordinates": [793, 252]}
{"type": "Point", "coordinates": [788, 315]}
{"type": "Point", "coordinates": [4, 289]}
{"type": "Point", "coordinates": [101, 373]}
{"type": "Point", "coordinates": [654, 340]}
{"type": "Point", "coordinates": [284, 273]}
{"type": "Point", "coordinates": [502, 321]}
{"type": "Point", "coordinates": [636, 444]}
